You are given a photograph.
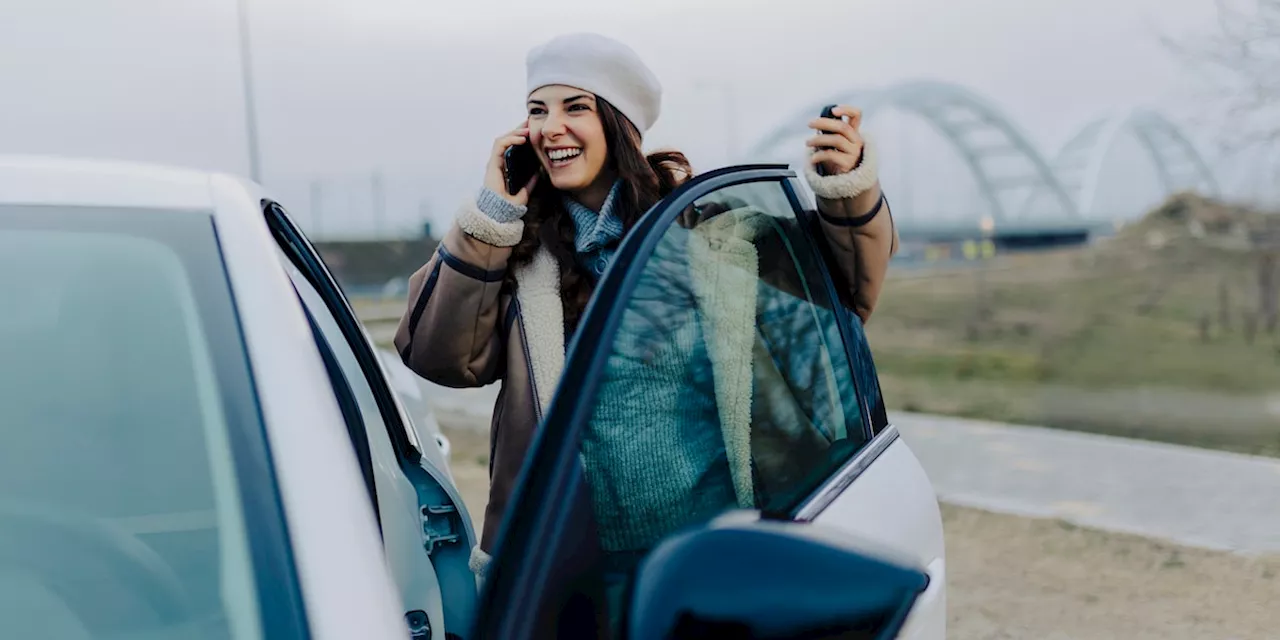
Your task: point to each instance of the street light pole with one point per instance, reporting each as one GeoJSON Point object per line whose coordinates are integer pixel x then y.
{"type": "Point", "coordinates": [246, 77]}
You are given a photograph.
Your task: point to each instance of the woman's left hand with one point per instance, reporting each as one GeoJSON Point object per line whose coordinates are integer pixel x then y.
{"type": "Point", "coordinates": [839, 144]}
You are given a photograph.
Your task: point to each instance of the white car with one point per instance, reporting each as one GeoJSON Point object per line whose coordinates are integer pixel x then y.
{"type": "Point", "coordinates": [407, 387]}
{"type": "Point", "coordinates": [199, 441]}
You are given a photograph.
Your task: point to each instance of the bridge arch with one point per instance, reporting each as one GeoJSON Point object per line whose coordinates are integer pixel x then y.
{"type": "Point", "coordinates": [1178, 164]}
{"type": "Point", "coordinates": [970, 124]}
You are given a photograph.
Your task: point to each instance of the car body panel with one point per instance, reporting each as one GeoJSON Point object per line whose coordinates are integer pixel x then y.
{"type": "Point", "coordinates": [347, 578]}
{"type": "Point", "coordinates": [397, 497]}
{"type": "Point", "coordinates": [893, 504]}
{"type": "Point", "coordinates": [335, 539]}
{"type": "Point", "coordinates": [38, 180]}
{"type": "Point", "coordinates": [426, 528]}
{"type": "Point", "coordinates": [332, 533]}
{"type": "Point", "coordinates": [420, 414]}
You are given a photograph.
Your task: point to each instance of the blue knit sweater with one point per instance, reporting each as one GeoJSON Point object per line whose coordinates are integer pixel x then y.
{"type": "Point", "coordinates": [653, 454]}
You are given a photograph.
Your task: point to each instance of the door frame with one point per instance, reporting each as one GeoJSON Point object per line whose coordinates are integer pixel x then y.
{"type": "Point", "coordinates": [432, 486]}
{"type": "Point", "coordinates": [844, 315]}
{"type": "Point", "coordinates": [307, 260]}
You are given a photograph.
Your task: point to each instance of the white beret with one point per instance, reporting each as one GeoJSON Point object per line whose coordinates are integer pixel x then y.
{"type": "Point", "coordinates": [603, 66]}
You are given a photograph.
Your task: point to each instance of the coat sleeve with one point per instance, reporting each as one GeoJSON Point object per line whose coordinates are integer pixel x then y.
{"type": "Point", "coordinates": [858, 227]}
{"type": "Point", "coordinates": [450, 333]}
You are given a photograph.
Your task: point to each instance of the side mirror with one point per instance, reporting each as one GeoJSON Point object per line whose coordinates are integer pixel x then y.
{"type": "Point", "coordinates": [768, 580]}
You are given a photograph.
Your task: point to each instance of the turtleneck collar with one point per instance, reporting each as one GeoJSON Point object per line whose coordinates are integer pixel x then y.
{"type": "Point", "coordinates": [595, 230]}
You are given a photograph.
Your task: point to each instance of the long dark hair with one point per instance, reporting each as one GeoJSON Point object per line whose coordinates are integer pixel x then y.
{"type": "Point", "coordinates": [645, 181]}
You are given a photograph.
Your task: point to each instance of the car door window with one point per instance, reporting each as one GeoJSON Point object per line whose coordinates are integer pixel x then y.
{"type": "Point", "coordinates": [727, 383]}
{"type": "Point", "coordinates": [713, 372]}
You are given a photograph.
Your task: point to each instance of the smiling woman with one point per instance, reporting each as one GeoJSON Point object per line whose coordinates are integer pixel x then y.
{"type": "Point", "coordinates": [511, 280]}
{"type": "Point", "coordinates": [537, 253]}
{"type": "Point", "coordinates": [571, 145]}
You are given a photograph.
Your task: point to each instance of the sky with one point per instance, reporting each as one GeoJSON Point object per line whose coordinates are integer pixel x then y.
{"type": "Point", "coordinates": [414, 91]}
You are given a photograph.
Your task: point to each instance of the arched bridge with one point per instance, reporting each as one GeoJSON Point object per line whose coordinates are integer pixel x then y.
{"type": "Point", "coordinates": [1079, 164]}
{"type": "Point", "coordinates": [1022, 193]}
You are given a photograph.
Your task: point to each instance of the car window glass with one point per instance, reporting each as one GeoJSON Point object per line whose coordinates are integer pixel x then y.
{"type": "Point", "coordinates": [727, 384]}
{"type": "Point", "coordinates": [121, 513]}
{"type": "Point", "coordinates": [864, 372]}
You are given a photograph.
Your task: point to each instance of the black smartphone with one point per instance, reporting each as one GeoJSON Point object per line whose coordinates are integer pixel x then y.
{"type": "Point", "coordinates": [827, 112]}
{"type": "Point", "coordinates": [521, 163]}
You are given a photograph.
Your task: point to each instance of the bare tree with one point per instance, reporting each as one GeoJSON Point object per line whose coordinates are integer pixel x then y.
{"type": "Point", "coordinates": [1250, 327]}
{"type": "Point", "coordinates": [1267, 286]}
{"type": "Point", "coordinates": [1224, 305]}
{"type": "Point", "coordinates": [1240, 62]}
{"type": "Point", "coordinates": [1265, 241]}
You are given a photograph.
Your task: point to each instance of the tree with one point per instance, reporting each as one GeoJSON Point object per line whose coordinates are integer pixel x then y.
{"type": "Point", "coordinates": [1268, 284]}
{"type": "Point", "coordinates": [1240, 60]}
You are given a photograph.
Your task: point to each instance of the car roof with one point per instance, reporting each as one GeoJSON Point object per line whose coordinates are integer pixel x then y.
{"type": "Point", "coordinates": [50, 180]}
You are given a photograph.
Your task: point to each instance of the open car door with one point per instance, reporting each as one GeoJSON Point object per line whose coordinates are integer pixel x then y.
{"type": "Point", "coordinates": [426, 530]}
{"type": "Point", "coordinates": [716, 461]}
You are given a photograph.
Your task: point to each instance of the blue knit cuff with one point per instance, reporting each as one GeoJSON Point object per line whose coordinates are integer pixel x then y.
{"type": "Point", "coordinates": [498, 207]}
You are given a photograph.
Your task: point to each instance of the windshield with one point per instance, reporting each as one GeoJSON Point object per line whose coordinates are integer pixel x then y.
{"type": "Point", "coordinates": [123, 387]}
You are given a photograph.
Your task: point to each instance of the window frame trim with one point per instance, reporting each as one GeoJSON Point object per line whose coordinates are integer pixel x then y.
{"type": "Point", "coordinates": [286, 612]}
{"type": "Point", "coordinates": [357, 430]}
{"type": "Point", "coordinates": [844, 477]}
{"type": "Point", "coordinates": [299, 249]}
{"type": "Point", "coordinates": [878, 412]}
{"type": "Point", "coordinates": [812, 222]}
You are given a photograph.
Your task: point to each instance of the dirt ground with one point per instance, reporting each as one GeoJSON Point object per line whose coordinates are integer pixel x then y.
{"type": "Point", "coordinates": [1022, 578]}
{"type": "Point", "coordinates": [1011, 577]}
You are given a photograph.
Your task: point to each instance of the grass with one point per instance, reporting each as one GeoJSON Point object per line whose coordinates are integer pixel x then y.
{"type": "Point", "coordinates": [1239, 423]}
{"type": "Point", "coordinates": [1109, 338]}
{"type": "Point", "coordinates": [1083, 329]}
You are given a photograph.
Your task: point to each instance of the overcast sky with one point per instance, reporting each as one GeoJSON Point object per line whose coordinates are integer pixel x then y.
{"type": "Point", "coordinates": [417, 89]}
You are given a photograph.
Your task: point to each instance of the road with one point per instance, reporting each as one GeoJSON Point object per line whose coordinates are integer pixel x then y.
{"type": "Point", "coordinates": [1191, 496]}
{"type": "Point", "coordinates": [1195, 497]}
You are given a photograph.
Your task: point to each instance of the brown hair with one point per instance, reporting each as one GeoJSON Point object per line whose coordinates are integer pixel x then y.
{"type": "Point", "coordinates": [645, 181]}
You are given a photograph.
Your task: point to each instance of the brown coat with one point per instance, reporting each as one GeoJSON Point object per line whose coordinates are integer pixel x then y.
{"type": "Point", "coordinates": [463, 329]}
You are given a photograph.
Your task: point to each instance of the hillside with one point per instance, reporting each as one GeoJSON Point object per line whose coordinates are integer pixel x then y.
{"type": "Point", "coordinates": [1156, 328]}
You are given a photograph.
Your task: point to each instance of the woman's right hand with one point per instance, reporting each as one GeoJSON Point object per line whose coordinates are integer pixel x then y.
{"type": "Point", "coordinates": [495, 175]}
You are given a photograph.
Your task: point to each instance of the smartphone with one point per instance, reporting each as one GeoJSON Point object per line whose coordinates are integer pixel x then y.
{"type": "Point", "coordinates": [827, 112]}
{"type": "Point", "coordinates": [521, 163]}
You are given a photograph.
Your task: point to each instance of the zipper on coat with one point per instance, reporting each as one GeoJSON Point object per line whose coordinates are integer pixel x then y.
{"type": "Point", "coordinates": [528, 362]}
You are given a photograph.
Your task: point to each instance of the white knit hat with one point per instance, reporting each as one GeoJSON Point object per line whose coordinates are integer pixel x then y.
{"type": "Point", "coordinates": [603, 66]}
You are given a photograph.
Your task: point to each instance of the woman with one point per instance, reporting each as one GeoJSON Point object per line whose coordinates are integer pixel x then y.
{"type": "Point", "coordinates": [511, 278]}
